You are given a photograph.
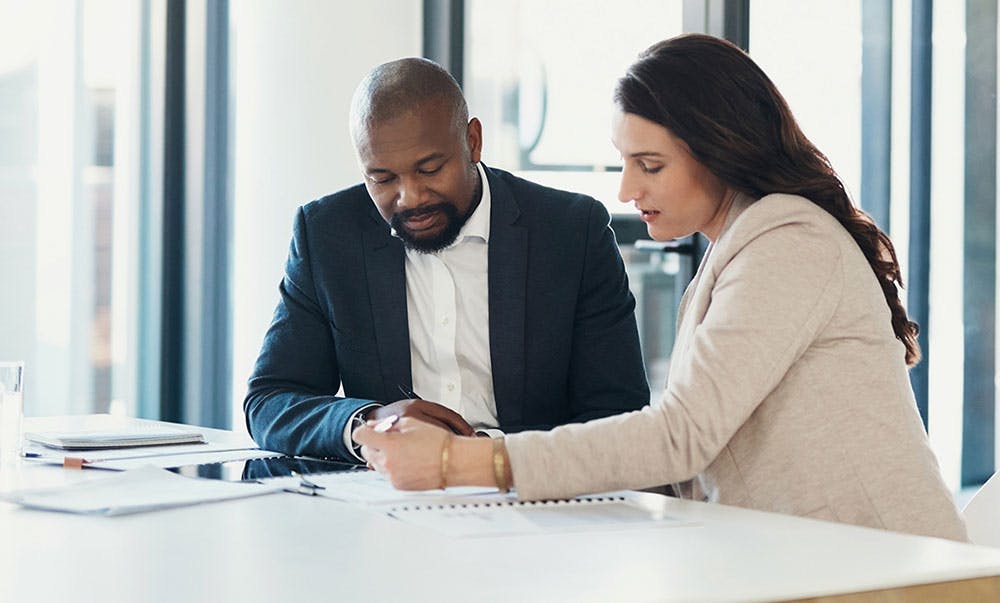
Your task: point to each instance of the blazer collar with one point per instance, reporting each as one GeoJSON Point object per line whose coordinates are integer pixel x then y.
{"type": "Point", "coordinates": [740, 203]}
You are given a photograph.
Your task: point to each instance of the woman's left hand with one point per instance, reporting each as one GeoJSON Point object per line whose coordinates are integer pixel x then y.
{"type": "Point", "coordinates": [409, 454]}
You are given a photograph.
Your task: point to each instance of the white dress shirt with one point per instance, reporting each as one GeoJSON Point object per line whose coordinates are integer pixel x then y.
{"type": "Point", "coordinates": [448, 314]}
{"type": "Point", "coordinates": [448, 317]}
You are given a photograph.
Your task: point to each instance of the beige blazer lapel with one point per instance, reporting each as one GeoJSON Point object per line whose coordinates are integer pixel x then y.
{"type": "Point", "coordinates": [698, 294]}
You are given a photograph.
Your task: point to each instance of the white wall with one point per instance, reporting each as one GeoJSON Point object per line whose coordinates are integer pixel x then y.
{"type": "Point", "coordinates": [295, 66]}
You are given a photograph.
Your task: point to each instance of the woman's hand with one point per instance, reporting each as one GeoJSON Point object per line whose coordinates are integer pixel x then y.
{"type": "Point", "coordinates": [409, 454]}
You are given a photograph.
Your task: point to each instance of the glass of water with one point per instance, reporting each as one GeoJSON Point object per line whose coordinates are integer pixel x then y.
{"type": "Point", "coordinates": [11, 410]}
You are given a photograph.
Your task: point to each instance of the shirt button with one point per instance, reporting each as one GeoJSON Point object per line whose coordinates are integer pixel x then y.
{"type": "Point", "coordinates": [445, 321]}
{"type": "Point", "coordinates": [451, 387]}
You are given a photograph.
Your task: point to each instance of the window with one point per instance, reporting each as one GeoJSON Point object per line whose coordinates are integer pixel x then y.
{"type": "Point", "coordinates": [823, 81]}
{"type": "Point", "coordinates": [67, 88]}
{"type": "Point", "coordinates": [540, 75]}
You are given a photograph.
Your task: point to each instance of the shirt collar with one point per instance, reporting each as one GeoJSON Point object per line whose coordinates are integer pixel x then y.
{"type": "Point", "coordinates": [478, 224]}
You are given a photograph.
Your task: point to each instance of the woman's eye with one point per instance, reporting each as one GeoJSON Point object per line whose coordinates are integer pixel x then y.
{"type": "Point", "coordinates": [650, 169]}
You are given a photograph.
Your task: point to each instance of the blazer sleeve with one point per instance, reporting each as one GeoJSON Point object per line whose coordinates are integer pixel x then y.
{"type": "Point", "coordinates": [769, 302]}
{"type": "Point", "coordinates": [291, 406]}
{"type": "Point", "coordinates": [606, 374]}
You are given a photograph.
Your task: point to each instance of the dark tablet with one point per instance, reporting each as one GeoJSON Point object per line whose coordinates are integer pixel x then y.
{"type": "Point", "coordinates": [255, 469]}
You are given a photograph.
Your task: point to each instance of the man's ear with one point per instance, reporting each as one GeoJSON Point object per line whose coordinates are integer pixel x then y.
{"type": "Point", "coordinates": [474, 139]}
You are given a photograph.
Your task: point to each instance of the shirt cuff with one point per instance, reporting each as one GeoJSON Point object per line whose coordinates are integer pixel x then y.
{"type": "Point", "coordinates": [490, 432]}
{"type": "Point", "coordinates": [351, 424]}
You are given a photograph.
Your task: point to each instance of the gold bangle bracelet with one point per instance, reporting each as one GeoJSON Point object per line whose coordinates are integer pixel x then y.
{"type": "Point", "coordinates": [445, 452]}
{"type": "Point", "coordinates": [500, 466]}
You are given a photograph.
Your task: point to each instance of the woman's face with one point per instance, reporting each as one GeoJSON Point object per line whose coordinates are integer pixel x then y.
{"type": "Point", "coordinates": [675, 195]}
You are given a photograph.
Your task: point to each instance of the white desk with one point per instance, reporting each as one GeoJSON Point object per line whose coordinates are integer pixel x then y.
{"type": "Point", "coordinates": [288, 547]}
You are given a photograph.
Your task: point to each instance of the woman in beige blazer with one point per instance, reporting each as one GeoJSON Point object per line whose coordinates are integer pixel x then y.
{"type": "Point", "coordinates": [788, 388]}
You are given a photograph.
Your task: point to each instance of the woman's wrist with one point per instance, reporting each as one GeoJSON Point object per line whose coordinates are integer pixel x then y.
{"type": "Point", "coordinates": [471, 462]}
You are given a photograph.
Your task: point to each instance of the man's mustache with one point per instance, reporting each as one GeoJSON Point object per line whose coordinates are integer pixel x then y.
{"type": "Point", "coordinates": [412, 214]}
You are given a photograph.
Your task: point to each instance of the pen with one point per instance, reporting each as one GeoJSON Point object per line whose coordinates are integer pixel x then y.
{"type": "Point", "coordinates": [409, 393]}
{"type": "Point", "coordinates": [31, 455]}
{"type": "Point", "coordinates": [385, 424]}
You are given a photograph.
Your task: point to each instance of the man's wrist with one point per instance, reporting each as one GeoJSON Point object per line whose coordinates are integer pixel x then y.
{"type": "Point", "coordinates": [356, 420]}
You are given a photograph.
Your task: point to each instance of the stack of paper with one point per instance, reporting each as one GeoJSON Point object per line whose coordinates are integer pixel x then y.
{"type": "Point", "coordinates": [144, 489]}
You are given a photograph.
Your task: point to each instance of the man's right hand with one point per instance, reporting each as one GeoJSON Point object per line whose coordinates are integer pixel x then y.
{"type": "Point", "coordinates": [422, 410]}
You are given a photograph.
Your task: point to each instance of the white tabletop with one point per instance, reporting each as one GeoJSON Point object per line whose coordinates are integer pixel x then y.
{"type": "Point", "coordinates": [288, 547]}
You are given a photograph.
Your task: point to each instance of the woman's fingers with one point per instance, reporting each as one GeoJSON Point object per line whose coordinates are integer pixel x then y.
{"type": "Point", "coordinates": [409, 454]}
{"type": "Point", "coordinates": [367, 436]}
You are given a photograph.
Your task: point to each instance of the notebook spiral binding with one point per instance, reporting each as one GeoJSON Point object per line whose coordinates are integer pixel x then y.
{"type": "Point", "coordinates": [513, 503]}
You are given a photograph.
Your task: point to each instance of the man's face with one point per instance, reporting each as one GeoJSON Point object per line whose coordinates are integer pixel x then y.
{"type": "Point", "coordinates": [420, 171]}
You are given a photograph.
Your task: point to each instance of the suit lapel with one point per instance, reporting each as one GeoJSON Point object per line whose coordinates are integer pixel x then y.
{"type": "Point", "coordinates": [386, 275]}
{"type": "Point", "coordinates": [508, 270]}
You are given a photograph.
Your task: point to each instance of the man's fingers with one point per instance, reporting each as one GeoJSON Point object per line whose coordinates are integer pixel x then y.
{"type": "Point", "coordinates": [450, 419]}
{"type": "Point", "coordinates": [432, 420]}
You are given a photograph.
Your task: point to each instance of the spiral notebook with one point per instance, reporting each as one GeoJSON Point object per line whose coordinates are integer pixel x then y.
{"type": "Point", "coordinates": [508, 517]}
{"type": "Point", "coordinates": [482, 511]}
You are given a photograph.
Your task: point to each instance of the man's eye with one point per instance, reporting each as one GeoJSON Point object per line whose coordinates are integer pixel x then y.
{"type": "Point", "coordinates": [428, 172]}
{"type": "Point", "coordinates": [380, 180]}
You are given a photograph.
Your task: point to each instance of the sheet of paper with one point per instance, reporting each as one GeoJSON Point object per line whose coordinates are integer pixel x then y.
{"type": "Point", "coordinates": [371, 488]}
{"type": "Point", "coordinates": [135, 491]}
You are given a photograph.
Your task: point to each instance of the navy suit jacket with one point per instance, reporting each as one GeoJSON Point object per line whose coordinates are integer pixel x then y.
{"type": "Point", "coordinates": [563, 340]}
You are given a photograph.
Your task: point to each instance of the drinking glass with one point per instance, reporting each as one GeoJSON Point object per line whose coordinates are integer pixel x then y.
{"type": "Point", "coordinates": [11, 410]}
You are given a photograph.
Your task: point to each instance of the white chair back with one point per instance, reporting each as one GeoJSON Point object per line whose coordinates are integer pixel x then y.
{"type": "Point", "coordinates": [982, 514]}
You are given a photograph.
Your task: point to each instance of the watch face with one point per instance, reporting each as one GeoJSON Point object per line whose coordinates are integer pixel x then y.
{"type": "Point", "coordinates": [255, 469]}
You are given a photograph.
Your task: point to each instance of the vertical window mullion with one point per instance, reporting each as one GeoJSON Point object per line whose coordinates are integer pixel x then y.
{"type": "Point", "coordinates": [172, 374]}
{"type": "Point", "coordinates": [920, 192]}
{"type": "Point", "coordinates": [876, 109]}
{"type": "Point", "coordinates": [979, 246]}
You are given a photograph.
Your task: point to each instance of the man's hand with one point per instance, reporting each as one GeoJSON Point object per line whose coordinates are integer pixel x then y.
{"type": "Point", "coordinates": [422, 410]}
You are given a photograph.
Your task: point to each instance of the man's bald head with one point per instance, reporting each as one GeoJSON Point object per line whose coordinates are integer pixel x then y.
{"type": "Point", "coordinates": [401, 87]}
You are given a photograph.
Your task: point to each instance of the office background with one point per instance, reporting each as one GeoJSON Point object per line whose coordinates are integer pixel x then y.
{"type": "Point", "coordinates": [152, 153]}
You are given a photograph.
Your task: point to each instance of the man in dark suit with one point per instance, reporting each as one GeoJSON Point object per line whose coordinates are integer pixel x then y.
{"type": "Point", "coordinates": [503, 301]}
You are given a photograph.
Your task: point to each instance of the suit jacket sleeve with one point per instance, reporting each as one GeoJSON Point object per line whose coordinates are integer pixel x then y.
{"type": "Point", "coordinates": [606, 375]}
{"type": "Point", "coordinates": [291, 405]}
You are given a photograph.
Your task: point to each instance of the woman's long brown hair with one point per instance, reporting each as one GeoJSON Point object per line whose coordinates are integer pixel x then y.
{"type": "Point", "coordinates": [720, 103]}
